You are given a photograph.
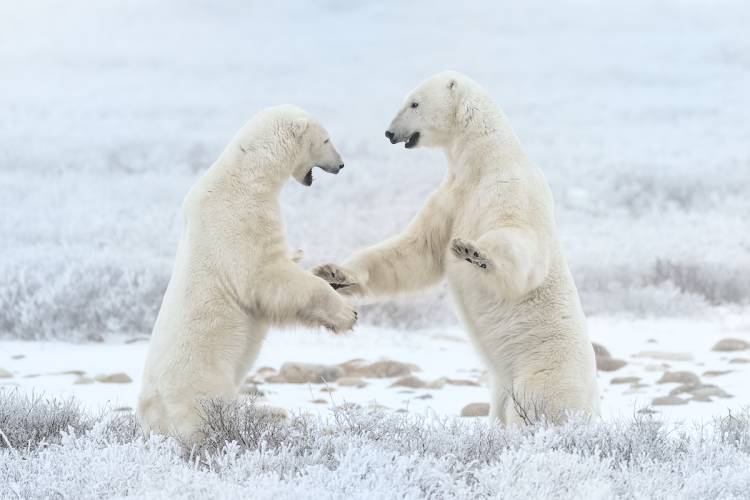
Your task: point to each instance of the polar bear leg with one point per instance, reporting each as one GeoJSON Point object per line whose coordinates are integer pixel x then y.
{"type": "Point", "coordinates": [169, 416]}
{"type": "Point", "coordinates": [514, 405]}
{"type": "Point", "coordinates": [383, 270]}
{"type": "Point", "coordinates": [179, 409]}
{"type": "Point", "coordinates": [340, 279]}
{"type": "Point", "coordinates": [411, 261]}
{"type": "Point", "coordinates": [498, 406]}
{"type": "Point", "coordinates": [293, 296]}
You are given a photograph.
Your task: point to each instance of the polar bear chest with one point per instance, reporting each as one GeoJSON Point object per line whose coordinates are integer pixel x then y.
{"type": "Point", "coordinates": [474, 217]}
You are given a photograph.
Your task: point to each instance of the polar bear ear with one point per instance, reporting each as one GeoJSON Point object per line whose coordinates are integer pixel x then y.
{"type": "Point", "coordinates": [465, 110]}
{"type": "Point", "coordinates": [299, 126]}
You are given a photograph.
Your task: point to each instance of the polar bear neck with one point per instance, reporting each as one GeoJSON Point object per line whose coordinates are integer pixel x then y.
{"type": "Point", "coordinates": [242, 180]}
{"type": "Point", "coordinates": [259, 166]}
{"type": "Point", "coordinates": [487, 143]}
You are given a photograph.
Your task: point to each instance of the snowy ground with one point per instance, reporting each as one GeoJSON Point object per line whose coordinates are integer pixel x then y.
{"type": "Point", "coordinates": [359, 453]}
{"type": "Point", "coordinates": [636, 112]}
{"type": "Point", "coordinates": [650, 349]}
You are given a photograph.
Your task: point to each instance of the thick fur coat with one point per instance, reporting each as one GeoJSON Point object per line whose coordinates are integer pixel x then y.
{"type": "Point", "coordinates": [490, 230]}
{"type": "Point", "coordinates": [233, 277]}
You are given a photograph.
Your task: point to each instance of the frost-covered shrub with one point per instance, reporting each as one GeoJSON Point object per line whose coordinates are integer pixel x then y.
{"type": "Point", "coordinates": [80, 295]}
{"type": "Point", "coordinates": [717, 284]}
{"type": "Point", "coordinates": [30, 420]}
{"type": "Point", "coordinates": [355, 452]}
{"type": "Point", "coordinates": [249, 425]}
{"type": "Point", "coordinates": [647, 159]}
{"type": "Point", "coordinates": [734, 429]}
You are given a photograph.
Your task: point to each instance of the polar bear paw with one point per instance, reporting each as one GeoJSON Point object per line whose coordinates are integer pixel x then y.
{"type": "Point", "coordinates": [342, 320]}
{"type": "Point", "coordinates": [467, 251]}
{"type": "Point", "coordinates": [339, 278]}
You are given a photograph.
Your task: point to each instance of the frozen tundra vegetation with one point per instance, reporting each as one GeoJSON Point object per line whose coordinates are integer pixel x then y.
{"type": "Point", "coordinates": [636, 113]}
{"type": "Point", "coordinates": [50, 448]}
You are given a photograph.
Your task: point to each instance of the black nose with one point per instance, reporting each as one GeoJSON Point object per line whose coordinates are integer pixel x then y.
{"type": "Point", "coordinates": [341, 166]}
{"type": "Point", "coordinates": [389, 134]}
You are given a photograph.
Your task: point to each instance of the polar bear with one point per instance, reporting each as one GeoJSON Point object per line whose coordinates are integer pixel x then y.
{"type": "Point", "coordinates": [233, 278]}
{"type": "Point", "coordinates": [490, 229]}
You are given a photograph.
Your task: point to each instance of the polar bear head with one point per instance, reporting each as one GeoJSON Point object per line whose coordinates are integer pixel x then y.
{"type": "Point", "coordinates": [437, 111]}
{"type": "Point", "coordinates": [284, 141]}
{"type": "Point", "coordinates": [314, 149]}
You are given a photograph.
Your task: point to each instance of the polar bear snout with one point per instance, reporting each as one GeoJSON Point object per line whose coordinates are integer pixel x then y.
{"type": "Point", "coordinates": [411, 140]}
{"type": "Point", "coordinates": [331, 169]}
{"type": "Point", "coordinates": [307, 180]}
{"type": "Point", "coordinates": [323, 155]}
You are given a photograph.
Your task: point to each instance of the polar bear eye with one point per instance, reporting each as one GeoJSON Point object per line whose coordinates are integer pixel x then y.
{"type": "Point", "coordinates": [414, 104]}
{"type": "Point", "coordinates": [326, 141]}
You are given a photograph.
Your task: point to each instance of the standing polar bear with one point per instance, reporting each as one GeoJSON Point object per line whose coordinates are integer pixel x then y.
{"type": "Point", "coordinates": [490, 229]}
{"type": "Point", "coordinates": [233, 278]}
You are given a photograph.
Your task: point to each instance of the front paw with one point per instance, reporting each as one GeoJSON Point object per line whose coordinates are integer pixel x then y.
{"type": "Point", "coordinates": [342, 320]}
{"type": "Point", "coordinates": [465, 250]}
{"type": "Point", "coordinates": [339, 278]}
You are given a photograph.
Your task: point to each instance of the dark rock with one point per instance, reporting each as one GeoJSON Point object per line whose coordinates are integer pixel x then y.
{"type": "Point", "coordinates": [476, 410]}
{"type": "Point", "coordinates": [600, 350]}
{"type": "Point", "coordinates": [668, 401]}
{"type": "Point", "coordinates": [679, 377]}
{"type": "Point", "coordinates": [409, 381]}
{"type": "Point", "coordinates": [728, 345]}
{"type": "Point", "coordinates": [378, 369]}
{"type": "Point", "coordinates": [114, 378]}
{"type": "Point", "coordinates": [625, 380]}
{"type": "Point", "coordinates": [310, 373]}
{"type": "Point", "coordinates": [609, 364]}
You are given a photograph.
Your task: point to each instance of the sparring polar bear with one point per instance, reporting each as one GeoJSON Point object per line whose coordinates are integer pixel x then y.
{"type": "Point", "coordinates": [490, 229]}
{"type": "Point", "coordinates": [233, 278]}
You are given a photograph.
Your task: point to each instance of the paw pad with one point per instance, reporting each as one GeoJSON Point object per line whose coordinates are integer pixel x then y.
{"type": "Point", "coordinates": [468, 253]}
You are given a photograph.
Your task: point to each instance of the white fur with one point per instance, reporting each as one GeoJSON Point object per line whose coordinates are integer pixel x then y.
{"type": "Point", "coordinates": [495, 208]}
{"type": "Point", "coordinates": [233, 277]}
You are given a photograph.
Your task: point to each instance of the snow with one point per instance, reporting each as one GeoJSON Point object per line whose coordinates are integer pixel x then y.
{"type": "Point", "coordinates": [371, 454]}
{"type": "Point", "coordinates": [635, 112]}
{"type": "Point", "coordinates": [438, 352]}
